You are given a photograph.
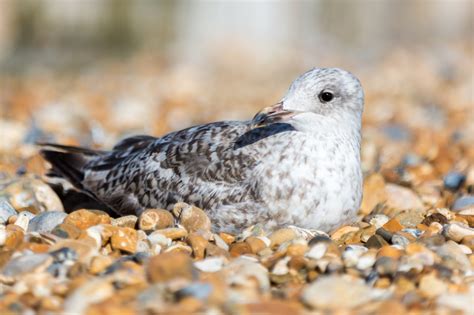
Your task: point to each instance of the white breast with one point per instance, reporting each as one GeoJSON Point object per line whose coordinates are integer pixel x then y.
{"type": "Point", "coordinates": [314, 183]}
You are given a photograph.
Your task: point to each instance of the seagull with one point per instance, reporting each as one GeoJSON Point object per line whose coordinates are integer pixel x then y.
{"type": "Point", "coordinates": [295, 163]}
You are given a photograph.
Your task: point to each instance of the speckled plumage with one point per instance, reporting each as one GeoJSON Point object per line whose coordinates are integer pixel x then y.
{"type": "Point", "coordinates": [295, 164]}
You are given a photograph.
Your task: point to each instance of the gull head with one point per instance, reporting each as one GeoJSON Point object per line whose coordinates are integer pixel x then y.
{"type": "Point", "coordinates": [318, 93]}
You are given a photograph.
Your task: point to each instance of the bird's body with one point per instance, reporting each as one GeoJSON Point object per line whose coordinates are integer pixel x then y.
{"type": "Point", "coordinates": [287, 166]}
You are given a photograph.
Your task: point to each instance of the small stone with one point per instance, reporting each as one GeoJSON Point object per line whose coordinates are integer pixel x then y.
{"type": "Point", "coordinates": [435, 217]}
{"type": "Point", "coordinates": [256, 244]}
{"type": "Point", "coordinates": [386, 266]}
{"type": "Point", "coordinates": [3, 235]}
{"type": "Point", "coordinates": [211, 264]}
{"type": "Point", "coordinates": [389, 251]}
{"type": "Point", "coordinates": [352, 253]}
{"type": "Point", "coordinates": [468, 241]}
{"type": "Point", "coordinates": [376, 241]}
{"type": "Point", "coordinates": [33, 195]}
{"type": "Point", "coordinates": [65, 230]}
{"type": "Point", "coordinates": [155, 219]}
{"type": "Point", "coordinates": [191, 217]}
{"type": "Point", "coordinates": [454, 180]}
{"type": "Point", "coordinates": [85, 251]}
{"type": "Point", "coordinates": [159, 239]}
{"type": "Point", "coordinates": [402, 198]}
{"type": "Point", "coordinates": [127, 221]}
{"type": "Point", "coordinates": [198, 290]}
{"type": "Point", "coordinates": [172, 233]}
{"type": "Point", "coordinates": [240, 248]}
{"type": "Point", "coordinates": [393, 226]}
{"type": "Point", "coordinates": [374, 193]}
{"type": "Point", "coordinates": [298, 247]}
{"type": "Point", "coordinates": [181, 248]}
{"type": "Point", "coordinates": [467, 215]}
{"type": "Point", "coordinates": [198, 243]}
{"type": "Point", "coordinates": [336, 292]}
{"type": "Point", "coordinates": [459, 301]}
{"type": "Point", "coordinates": [378, 220]}
{"type": "Point", "coordinates": [275, 307]}
{"type": "Point", "coordinates": [453, 256]}
{"type": "Point", "coordinates": [280, 236]}
{"type": "Point", "coordinates": [14, 237]}
{"type": "Point", "coordinates": [318, 250]}
{"type": "Point", "coordinates": [431, 287]}
{"type": "Point", "coordinates": [411, 218]}
{"type": "Point", "coordinates": [51, 303]}
{"type": "Point", "coordinates": [172, 265]}
{"type": "Point", "coordinates": [124, 239]}
{"type": "Point", "coordinates": [64, 254]}
{"type": "Point", "coordinates": [220, 242]}
{"type": "Point", "coordinates": [245, 273]}
{"type": "Point", "coordinates": [22, 221]}
{"type": "Point", "coordinates": [84, 219]}
{"type": "Point", "coordinates": [457, 231]}
{"type": "Point", "coordinates": [213, 250]}
{"type": "Point", "coordinates": [27, 264]}
{"type": "Point", "coordinates": [228, 238]}
{"type": "Point", "coordinates": [386, 235]}
{"type": "Point", "coordinates": [89, 293]}
{"type": "Point", "coordinates": [6, 211]}
{"type": "Point", "coordinates": [462, 203]}
{"type": "Point", "coordinates": [339, 233]}
{"type": "Point", "coordinates": [367, 260]}
{"type": "Point", "coordinates": [46, 221]}
{"type": "Point", "coordinates": [366, 233]}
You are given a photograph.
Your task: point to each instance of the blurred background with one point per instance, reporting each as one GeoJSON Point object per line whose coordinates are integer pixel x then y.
{"type": "Point", "coordinates": [91, 72]}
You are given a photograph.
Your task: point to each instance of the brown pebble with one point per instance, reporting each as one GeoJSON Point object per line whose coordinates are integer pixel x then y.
{"type": "Point", "coordinates": [297, 249]}
{"type": "Point", "coordinates": [100, 263]}
{"type": "Point", "coordinates": [228, 238]}
{"type": "Point", "coordinates": [172, 265]}
{"type": "Point", "coordinates": [173, 233]}
{"type": "Point", "coordinates": [375, 241]}
{"type": "Point", "coordinates": [297, 262]}
{"type": "Point", "coordinates": [468, 241]}
{"type": "Point", "coordinates": [155, 219]}
{"type": "Point", "coordinates": [374, 193]}
{"type": "Point", "coordinates": [435, 217]}
{"type": "Point", "coordinates": [255, 243]}
{"type": "Point", "coordinates": [84, 219]}
{"type": "Point", "coordinates": [389, 251]}
{"type": "Point", "coordinates": [280, 236]}
{"type": "Point", "coordinates": [240, 248]}
{"type": "Point", "coordinates": [191, 217]}
{"type": "Point", "coordinates": [67, 230]}
{"type": "Point", "coordinates": [124, 239]}
{"type": "Point", "coordinates": [14, 237]}
{"type": "Point", "coordinates": [339, 233]}
{"type": "Point", "coordinates": [126, 221]}
{"type": "Point", "coordinates": [212, 250]}
{"type": "Point", "coordinates": [198, 243]}
{"type": "Point", "coordinates": [393, 226]}
{"type": "Point", "coordinates": [84, 250]}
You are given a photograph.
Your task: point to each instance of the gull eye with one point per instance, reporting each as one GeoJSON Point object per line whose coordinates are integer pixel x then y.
{"type": "Point", "coordinates": [325, 96]}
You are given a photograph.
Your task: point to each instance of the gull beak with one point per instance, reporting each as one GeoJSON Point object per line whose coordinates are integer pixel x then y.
{"type": "Point", "coordinates": [272, 114]}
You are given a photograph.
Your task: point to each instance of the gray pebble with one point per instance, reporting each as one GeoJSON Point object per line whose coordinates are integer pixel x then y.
{"type": "Point", "coordinates": [198, 290]}
{"type": "Point", "coordinates": [27, 263]}
{"type": "Point", "coordinates": [463, 203]}
{"type": "Point", "coordinates": [46, 221]}
{"type": "Point", "coordinates": [454, 180]}
{"type": "Point", "coordinates": [6, 211]}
